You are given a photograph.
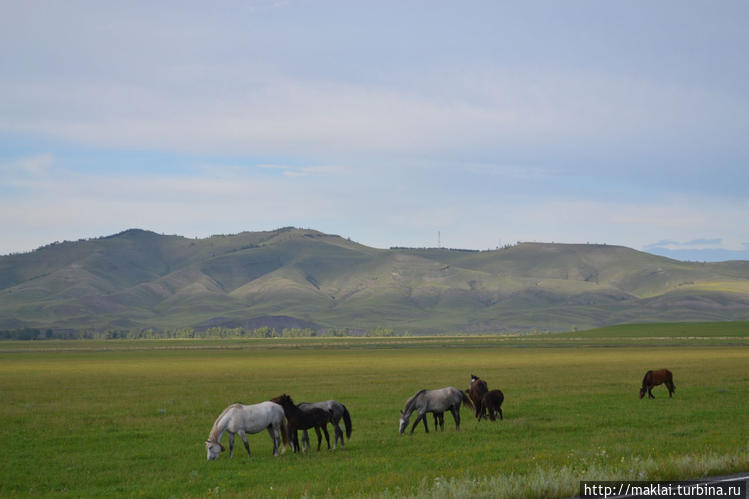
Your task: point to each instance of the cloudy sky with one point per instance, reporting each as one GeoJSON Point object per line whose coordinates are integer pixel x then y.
{"type": "Point", "coordinates": [386, 122]}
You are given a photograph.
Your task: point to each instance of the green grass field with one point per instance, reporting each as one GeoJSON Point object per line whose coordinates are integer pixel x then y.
{"type": "Point", "coordinates": [130, 418]}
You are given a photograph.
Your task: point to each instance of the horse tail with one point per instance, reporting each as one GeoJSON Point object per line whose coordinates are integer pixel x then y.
{"type": "Point", "coordinates": [467, 400]}
{"type": "Point", "coordinates": [347, 421]}
{"type": "Point", "coordinates": [284, 433]}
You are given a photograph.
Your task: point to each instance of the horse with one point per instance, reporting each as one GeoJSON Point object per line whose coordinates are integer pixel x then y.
{"type": "Point", "coordinates": [243, 419]}
{"type": "Point", "coordinates": [655, 378]}
{"type": "Point", "coordinates": [476, 391]}
{"type": "Point", "coordinates": [434, 401]}
{"type": "Point", "coordinates": [492, 401]}
{"type": "Point", "coordinates": [338, 412]}
{"type": "Point", "coordinates": [299, 419]}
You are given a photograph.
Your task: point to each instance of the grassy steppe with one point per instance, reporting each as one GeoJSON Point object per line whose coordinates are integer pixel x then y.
{"type": "Point", "coordinates": [131, 422]}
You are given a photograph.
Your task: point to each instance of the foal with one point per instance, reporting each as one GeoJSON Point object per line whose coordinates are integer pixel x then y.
{"type": "Point", "coordinates": [302, 420]}
{"type": "Point", "coordinates": [493, 402]}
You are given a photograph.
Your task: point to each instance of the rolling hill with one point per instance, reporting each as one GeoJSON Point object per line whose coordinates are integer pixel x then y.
{"type": "Point", "coordinates": [303, 278]}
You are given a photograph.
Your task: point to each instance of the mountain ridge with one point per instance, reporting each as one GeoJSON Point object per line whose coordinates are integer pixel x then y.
{"type": "Point", "coordinates": [141, 279]}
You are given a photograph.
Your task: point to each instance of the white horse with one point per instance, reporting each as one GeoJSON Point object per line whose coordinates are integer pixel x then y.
{"type": "Point", "coordinates": [435, 401]}
{"type": "Point", "coordinates": [243, 419]}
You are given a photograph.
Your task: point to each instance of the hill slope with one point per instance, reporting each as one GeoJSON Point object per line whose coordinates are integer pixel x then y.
{"type": "Point", "coordinates": [303, 278]}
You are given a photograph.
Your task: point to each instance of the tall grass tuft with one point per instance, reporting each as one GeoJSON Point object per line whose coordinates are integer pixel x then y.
{"type": "Point", "coordinates": [565, 481]}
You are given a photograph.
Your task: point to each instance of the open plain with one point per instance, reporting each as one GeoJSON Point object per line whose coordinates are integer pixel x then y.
{"type": "Point", "coordinates": [129, 418]}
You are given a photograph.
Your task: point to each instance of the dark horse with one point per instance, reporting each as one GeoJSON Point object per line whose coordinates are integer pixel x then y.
{"type": "Point", "coordinates": [492, 401]}
{"type": "Point", "coordinates": [655, 378]}
{"type": "Point", "coordinates": [302, 420]}
{"type": "Point", "coordinates": [339, 412]}
{"type": "Point", "coordinates": [476, 391]}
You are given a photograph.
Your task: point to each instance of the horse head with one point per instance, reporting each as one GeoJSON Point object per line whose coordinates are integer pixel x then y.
{"type": "Point", "coordinates": [643, 390]}
{"type": "Point", "coordinates": [286, 399]}
{"type": "Point", "coordinates": [213, 449]}
{"type": "Point", "coordinates": [403, 422]}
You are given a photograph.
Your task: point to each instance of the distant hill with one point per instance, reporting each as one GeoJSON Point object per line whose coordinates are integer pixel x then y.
{"type": "Point", "coordinates": [303, 278]}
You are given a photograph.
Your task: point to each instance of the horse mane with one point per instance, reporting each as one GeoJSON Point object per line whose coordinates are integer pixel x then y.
{"type": "Point", "coordinates": [213, 436]}
{"type": "Point", "coordinates": [466, 399]}
{"type": "Point", "coordinates": [645, 379]}
{"type": "Point", "coordinates": [413, 398]}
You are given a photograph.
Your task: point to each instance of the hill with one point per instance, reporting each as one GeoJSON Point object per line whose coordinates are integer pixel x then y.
{"type": "Point", "coordinates": [303, 278]}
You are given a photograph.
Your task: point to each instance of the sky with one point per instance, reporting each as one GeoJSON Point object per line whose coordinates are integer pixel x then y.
{"type": "Point", "coordinates": [466, 124]}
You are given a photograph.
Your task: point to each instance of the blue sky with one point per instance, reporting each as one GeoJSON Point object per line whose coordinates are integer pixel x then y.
{"type": "Point", "coordinates": [386, 122]}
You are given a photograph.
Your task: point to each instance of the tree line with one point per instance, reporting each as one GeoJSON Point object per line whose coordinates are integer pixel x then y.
{"type": "Point", "coordinates": [34, 334]}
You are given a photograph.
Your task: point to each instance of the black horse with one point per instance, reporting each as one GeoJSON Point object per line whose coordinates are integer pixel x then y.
{"type": "Point", "coordinates": [492, 401]}
{"type": "Point", "coordinates": [299, 419]}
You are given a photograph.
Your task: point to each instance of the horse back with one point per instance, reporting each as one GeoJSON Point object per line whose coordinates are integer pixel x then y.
{"type": "Point", "coordinates": [657, 377]}
{"type": "Point", "coordinates": [493, 398]}
{"type": "Point", "coordinates": [661, 376]}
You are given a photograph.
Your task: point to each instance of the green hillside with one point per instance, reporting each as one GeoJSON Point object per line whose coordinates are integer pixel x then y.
{"type": "Point", "coordinates": [303, 278]}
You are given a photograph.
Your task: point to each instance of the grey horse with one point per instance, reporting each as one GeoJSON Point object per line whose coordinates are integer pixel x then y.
{"type": "Point", "coordinates": [434, 401]}
{"type": "Point", "coordinates": [338, 411]}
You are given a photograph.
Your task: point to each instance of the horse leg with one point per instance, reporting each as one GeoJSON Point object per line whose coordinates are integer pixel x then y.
{"type": "Point", "coordinates": [246, 443]}
{"type": "Point", "coordinates": [338, 433]}
{"type": "Point", "coordinates": [426, 426]}
{"type": "Point", "coordinates": [456, 417]}
{"type": "Point", "coordinates": [650, 393]}
{"type": "Point", "coordinates": [319, 438]}
{"type": "Point", "coordinates": [418, 418]}
{"type": "Point", "coordinates": [670, 387]}
{"type": "Point", "coordinates": [276, 437]}
{"type": "Point", "coordinates": [439, 421]}
{"type": "Point", "coordinates": [295, 440]}
{"type": "Point", "coordinates": [500, 412]}
{"type": "Point", "coordinates": [305, 440]}
{"type": "Point", "coordinates": [327, 436]}
{"type": "Point", "coordinates": [231, 445]}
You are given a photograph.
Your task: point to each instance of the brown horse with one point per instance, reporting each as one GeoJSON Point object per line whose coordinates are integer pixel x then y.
{"type": "Point", "coordinates": [492, 401]}
{"type": "Point", "coordinates": [299, 419]}
{"type": "Point", "coordinates": [655, 378]}
{"type": "Point", "coordinates": [476, 392]}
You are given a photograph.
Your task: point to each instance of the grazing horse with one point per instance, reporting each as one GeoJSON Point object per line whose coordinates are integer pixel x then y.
{"type": "Point", "coordinates": [302, 420]}
{"type": "Point", "coordinates": [338, 412]}
{"type": "Point", "coordinates": [655, 378]}
{"type": "Point", "coordinates": [476, 391]}
{"type": "Point", "coordinates": [435, 401]}
{"type": "Point", "coordinates": [243, 419]}
{"type": "Point", "coordinates": [492, 401]}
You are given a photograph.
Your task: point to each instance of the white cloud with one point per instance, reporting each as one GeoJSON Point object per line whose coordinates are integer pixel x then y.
{"type": "Point", "coordinates": [34, 166]}
{"type": "Point", "coordinates": [272, 113]}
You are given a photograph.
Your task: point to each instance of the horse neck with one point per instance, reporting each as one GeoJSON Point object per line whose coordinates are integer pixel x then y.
{"type": "Point", "coordinates": [411, 403]}
{"type": "Point", "coordinates": [219, 426]}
